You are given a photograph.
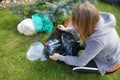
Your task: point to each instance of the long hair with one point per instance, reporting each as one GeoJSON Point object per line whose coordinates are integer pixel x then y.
{"type": "Point", "coordinates": [84, 18]}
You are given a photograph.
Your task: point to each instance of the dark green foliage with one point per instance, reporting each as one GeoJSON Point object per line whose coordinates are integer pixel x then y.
{"type": "Point", "coordinates": [56, 10]}
{"type": "Point", "coordinates": [26, 10]}
{"type": "Point", "coordinates": [117, 2]}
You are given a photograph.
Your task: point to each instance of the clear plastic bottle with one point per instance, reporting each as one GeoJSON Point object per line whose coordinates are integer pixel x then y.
{"type": "Point", "coordinates": [35, 51]}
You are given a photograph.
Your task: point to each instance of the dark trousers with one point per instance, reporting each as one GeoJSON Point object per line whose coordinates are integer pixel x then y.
{"type": "Point", "coordinates": [91, 67]}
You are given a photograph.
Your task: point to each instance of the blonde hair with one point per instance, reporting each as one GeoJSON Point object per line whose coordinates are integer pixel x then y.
{"type": "Point", "coordinates": [84, 18]}
{"type": "Point", "coordinates": [67, 22]}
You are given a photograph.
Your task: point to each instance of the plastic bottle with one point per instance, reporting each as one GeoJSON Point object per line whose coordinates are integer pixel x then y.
{"type": "Point", "coordinates": [35, 52]}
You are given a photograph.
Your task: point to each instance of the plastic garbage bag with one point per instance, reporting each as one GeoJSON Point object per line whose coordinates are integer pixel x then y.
{"type": "Point", "coordinates": [35, 52]}
{"type": "Point", "coordinates": [64, 43]}
{"type": "Point", "coordinates": [42, 23]}
{"type": "Point", "coordinates": [70, 43]}
{"type": "Point", "coordinates": [26, 27]}
{"type": "Point", "coordinates": [54, 43]}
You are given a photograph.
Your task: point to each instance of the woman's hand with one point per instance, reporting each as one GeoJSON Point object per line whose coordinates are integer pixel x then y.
{"type": "Point", "coordinates": [55, 56]}
{"type": "Point", "coordinates": [61, 27]}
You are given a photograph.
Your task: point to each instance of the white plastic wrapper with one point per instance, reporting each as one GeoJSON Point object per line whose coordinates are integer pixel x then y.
{"type": "Point", "coordinates": [26, 27]}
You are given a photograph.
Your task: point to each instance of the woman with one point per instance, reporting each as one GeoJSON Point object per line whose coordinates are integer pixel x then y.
{"type": "Point", "coordinates": [97, 31]}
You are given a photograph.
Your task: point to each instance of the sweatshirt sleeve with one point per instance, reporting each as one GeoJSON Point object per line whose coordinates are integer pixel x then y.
{"type": "Point", "coordinates": [93, 47]}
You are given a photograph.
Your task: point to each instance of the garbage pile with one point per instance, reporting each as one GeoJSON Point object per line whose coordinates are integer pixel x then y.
{"type": "Point", "coordinates": [38, 23]}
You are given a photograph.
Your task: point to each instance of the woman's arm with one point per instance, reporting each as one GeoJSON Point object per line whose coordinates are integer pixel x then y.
{"type": "Point", "coordinates": [93, 47]}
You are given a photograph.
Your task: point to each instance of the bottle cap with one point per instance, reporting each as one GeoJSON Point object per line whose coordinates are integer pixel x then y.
{"type": "Point", "coordinates": [37, 40]}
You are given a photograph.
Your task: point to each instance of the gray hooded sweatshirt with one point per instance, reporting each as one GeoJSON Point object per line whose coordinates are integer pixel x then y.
{"type": "Point", "coordinates": [103, 46]}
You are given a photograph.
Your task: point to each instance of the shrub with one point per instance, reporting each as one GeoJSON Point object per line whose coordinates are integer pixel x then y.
{"type": "Point", "coordinates": [112, 1]}
{"type": "Point", "coordinates": [56, 11]}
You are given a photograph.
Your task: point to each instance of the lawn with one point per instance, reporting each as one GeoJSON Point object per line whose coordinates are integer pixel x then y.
{"type": "Point", "coordinates": [13, 48]}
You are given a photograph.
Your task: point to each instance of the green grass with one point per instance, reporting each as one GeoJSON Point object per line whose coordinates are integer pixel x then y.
{"type": "Point", "coordinates": [13, 48]}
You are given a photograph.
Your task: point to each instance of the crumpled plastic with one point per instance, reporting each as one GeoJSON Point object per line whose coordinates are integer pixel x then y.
{"type": "Point", "coordinates": [26, 27]}
{"type": "Point", "coordinates": [42, 23]}
{"type": "Point", "coordinates": [64, 43]}
{"type": "Point", "coordinates": [54, 43]}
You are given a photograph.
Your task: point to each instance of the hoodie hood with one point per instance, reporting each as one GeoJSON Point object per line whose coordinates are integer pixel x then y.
{"type": "Point", "coordinates": [105, 25]}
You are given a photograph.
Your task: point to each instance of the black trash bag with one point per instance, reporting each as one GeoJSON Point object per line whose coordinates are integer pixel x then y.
{"type": "Point", "coordinates": [54, 43]}
{"type": "Point", "coordinates": [70, 43]}
{"type": "Point", "coordinates": [64, 43]}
